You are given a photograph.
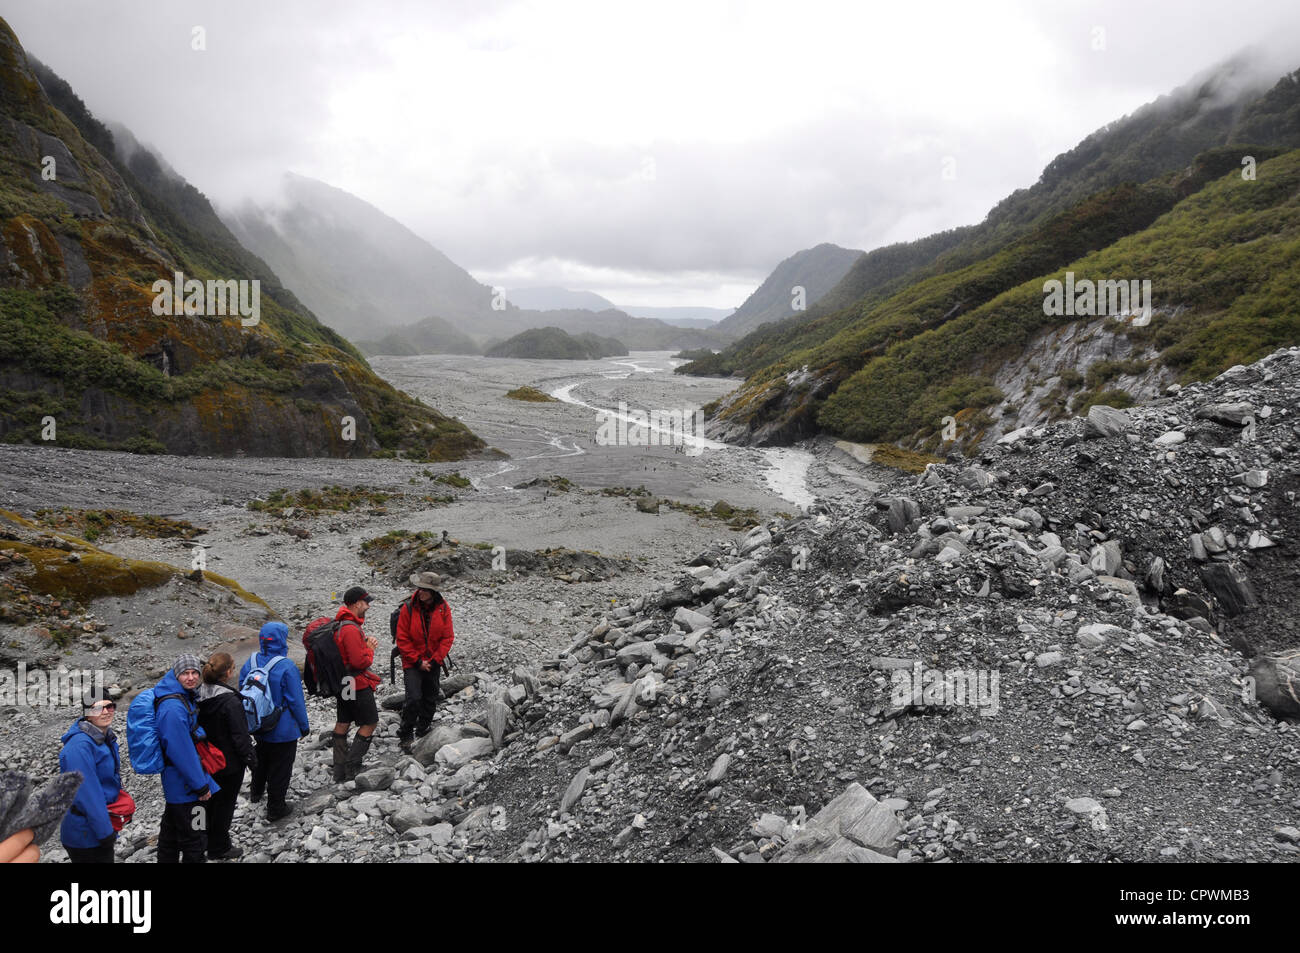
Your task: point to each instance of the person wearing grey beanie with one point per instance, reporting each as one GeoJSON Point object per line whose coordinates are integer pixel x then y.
{"type": "Point", "coordinates": [187, 786]}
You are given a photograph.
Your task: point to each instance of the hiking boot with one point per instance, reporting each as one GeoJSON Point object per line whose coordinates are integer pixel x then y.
{"type": "Point", "coordinates": [356, 755]}
{"type": "Point", "coordinates": [340, 757]}
{"type": "Point", "coordinates": [279, 813]}
{"type": "Point", "coordinates": [422, 730]}
{"type": "Point", "coordinates": [230, 853]}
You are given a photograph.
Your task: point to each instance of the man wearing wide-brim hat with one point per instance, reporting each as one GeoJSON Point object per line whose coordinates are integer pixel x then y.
{"type": "Point", "coordinates": [424, 637]}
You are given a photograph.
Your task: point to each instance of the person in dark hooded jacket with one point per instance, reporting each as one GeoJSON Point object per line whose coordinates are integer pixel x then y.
{"type": "Point", "coordinates": [277, 748]}
{"type": "Point", "coordinates": [90, 747]}
{"type": "Point", "coordinates": [222, 718]}
{"type": "Point", "coordinates": [187, 787]}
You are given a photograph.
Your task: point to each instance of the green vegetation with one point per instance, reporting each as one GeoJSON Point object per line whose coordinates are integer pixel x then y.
{"type": "Point", "coordinates": [330, 499]}
{"type": "Point", "coordinates": [1086, 399]}
{"type": "Point", "coordinates": [530, 394]}
{"type": "Point", "coordinates": [452, 479]}
{"type": "Point", "coordinates": [92, 524]}
{"type": "Point", "coordinates": [888, 455]}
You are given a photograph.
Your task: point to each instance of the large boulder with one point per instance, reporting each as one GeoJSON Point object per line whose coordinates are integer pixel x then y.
{"type": "Point", "coordinates": [854, 827]}
{"type": "Point", "coordinates": [1103, 421]}
{"type": "Point", "coordinates": [425, 750]}
{"type": "Point", "coordinates": [1230, 587]}
{"type": "Point", "coordinates": [1277, 682]}
{"type": "Point", "coordinates": [460, 753]}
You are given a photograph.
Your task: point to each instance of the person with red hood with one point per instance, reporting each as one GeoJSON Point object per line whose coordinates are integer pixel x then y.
{"type": "Point", "coordinates": [424, 637]}
{"type": "Point", "coordinates": [356, 702]}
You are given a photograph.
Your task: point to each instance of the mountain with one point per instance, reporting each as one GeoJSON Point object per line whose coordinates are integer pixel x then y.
{"type": "Point", "coordinates": [430, 336]}
{"type": "Point", "coordinates": [91, 356]}
{"type": "Point", "coordinates": [954, 325]}
{"type": "Point", "coordinates": [555, 299]}
{"type": "Point", "coordinates": [356, 267]}
{"type": "Point", "coordinates": [364, 272]}
{"type": "Point", "coordinates": [682, 317]}
{"type": "Point", "coordinates": [814, 270]}
{"type": "Point", "coordinates": [554, 344]}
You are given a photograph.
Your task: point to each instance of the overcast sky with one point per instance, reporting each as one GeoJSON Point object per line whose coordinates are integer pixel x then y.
{"type": "Point", "coordinates": [657, 153]}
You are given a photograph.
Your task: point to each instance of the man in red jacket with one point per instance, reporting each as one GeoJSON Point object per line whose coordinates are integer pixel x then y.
{"type": "Point", "coordinates": [424, 638]}
{"type": "Point", "coordinates": [357, 700]}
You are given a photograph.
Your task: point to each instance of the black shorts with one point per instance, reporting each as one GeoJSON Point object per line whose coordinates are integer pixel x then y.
{"type": "Point", "coordinates": [359, 711]}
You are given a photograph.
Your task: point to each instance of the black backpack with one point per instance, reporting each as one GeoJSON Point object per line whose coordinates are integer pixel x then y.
{"type": "Point", "coordinates": [392, 631]}
{"type": "Point", "coordinates": [324, 672]}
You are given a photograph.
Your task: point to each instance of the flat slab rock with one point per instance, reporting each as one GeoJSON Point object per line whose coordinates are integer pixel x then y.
{"type": "Point", "coordinates": [853, 828]}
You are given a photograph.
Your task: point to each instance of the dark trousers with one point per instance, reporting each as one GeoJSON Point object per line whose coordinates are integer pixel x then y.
{"type": "Point", "coordinates": [91, 855]}
{"type": "Point", "coordinates": [183, 834]}
{"type": "Point", "coordinates": [273, 771]}
{"type": "Point", "coordinates": [421, 699]}
{"type": "Point", "coordinates": [221, 810]}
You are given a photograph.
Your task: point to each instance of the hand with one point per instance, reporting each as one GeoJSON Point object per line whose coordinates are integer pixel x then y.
{"type": "Point", "coordinates": [20, 849]}
{"type": "Point", "coordinates": [424, 665]}
{"type": "Point", "coordinates": [372, 642]}
{"type": "Point", "coordinates": [205, 796]}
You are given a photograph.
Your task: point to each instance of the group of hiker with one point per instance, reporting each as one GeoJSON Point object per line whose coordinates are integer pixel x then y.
{"type": "Point", "coordinates": [202, 730]}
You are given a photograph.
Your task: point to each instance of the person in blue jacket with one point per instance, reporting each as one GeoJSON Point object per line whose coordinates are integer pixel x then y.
{"type": "Point", "coordinates": [277, 748]}
{"type": "Point", "coordinates": [186, 786]}
{"type": "Point", "coordinates": [90, 747]}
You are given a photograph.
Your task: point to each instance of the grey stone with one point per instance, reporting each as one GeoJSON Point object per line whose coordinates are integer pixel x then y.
{"type": "Point", "coordinates": [1230, 587]}
{"type": "Point", "coordinates": [574, 791]}
{"type": "Point", "coordinates": [856, 817]}
{"type": "Point", "coordinates": [498, 714]}
{"type": "Point", "coordinates": [637, 653]}
{"type": "Point", "coordinates": [690, 620]}
{"type": "Point", "coordinates": [719, 769]}
{"type": "Point", "coordinates": [1096, 635]}
{"type": "Point", "coordinates": [425, 749]}
{"type": "Point", "coordinates": [1103, 421]}
{"type": "Point", "coordinates": [379, 778]}
{"type": "Point", "coordinates": [459, 753]}
{"type": "Point", "coordinates": [409, 817]}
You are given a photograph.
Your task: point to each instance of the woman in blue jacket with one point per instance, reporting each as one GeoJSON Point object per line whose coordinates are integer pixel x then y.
{"type": "Point", "coordinates": [90, 747]}
{"type": "Point", "coordinates": [187, 787]}
{"type": "Point", "coordinates": [277, 748]}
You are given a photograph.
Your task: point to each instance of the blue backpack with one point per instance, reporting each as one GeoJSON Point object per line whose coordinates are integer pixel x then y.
{"type": "Point", "coordinates": [142, 745]}
{"type": "Point", "coordinates": [255, 692]}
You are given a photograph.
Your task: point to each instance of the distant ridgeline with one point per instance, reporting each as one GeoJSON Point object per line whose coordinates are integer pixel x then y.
{"type": "Point", "coordinates": [555, 344]}
{"type": "Point", "coordinates": [131, 318]}
{"type": "Point", "coordinates": [946, 342]}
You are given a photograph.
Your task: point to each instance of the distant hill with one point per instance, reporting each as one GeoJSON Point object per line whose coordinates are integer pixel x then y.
{"type": "Point", "coordinates": [356, 267]}
{"type": "Point", "coordinates": [555, 344]}
{"type": "Point", "coordinates": [556, 299]}
{"type": "Point", "coordinates": [815, 270]}
{"type": "Point", "coordinates": [430, 336]}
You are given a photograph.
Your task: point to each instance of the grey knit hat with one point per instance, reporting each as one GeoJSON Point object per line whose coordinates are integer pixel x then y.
{"type": "Point", "coordinates": [187, 662]}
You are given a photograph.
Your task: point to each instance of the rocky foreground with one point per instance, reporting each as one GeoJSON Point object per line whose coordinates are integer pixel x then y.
{"type": "Point", "coordinates": [1042, 655]}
